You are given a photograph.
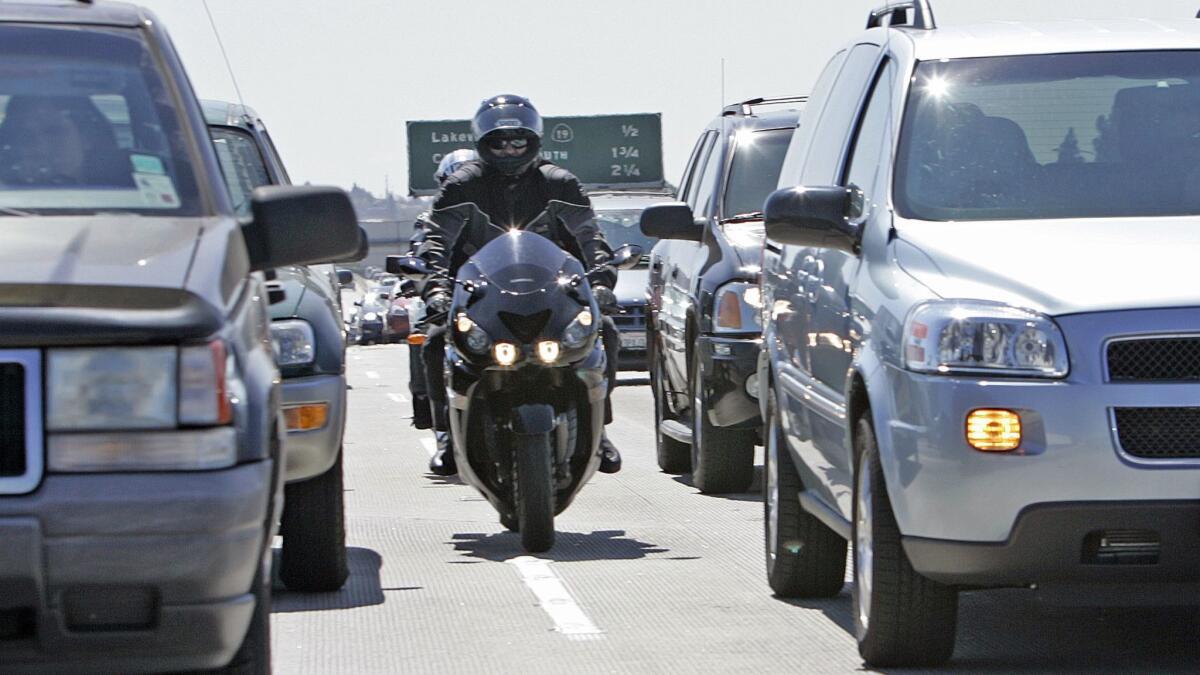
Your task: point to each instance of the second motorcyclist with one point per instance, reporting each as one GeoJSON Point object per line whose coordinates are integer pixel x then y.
{"type": "Point", "coordinates": [512, 186]}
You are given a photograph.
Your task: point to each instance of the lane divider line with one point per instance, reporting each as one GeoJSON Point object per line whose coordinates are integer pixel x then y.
{"type": "Point", "coordinates": [555, 599]}
{"type": "Point", "coordinates": [398, 398]}
{"type": "Point", "coordinates": [372, 375]}
{"type": "Point", "coordinates": [430, 445]}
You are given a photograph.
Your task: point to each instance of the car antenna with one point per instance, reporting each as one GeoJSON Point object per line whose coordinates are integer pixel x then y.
{"type": "Point", "coordinates": [212, 22]}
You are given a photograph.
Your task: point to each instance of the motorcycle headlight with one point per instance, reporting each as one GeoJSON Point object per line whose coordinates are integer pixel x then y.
{"type": "Point", "coordinates": [983, 338]}
{"type": "Point", "coordinates": [738, 309]}
{"type": "Point", "coordinates": [579, 330]}
{"type": "Point", "coordinates": [474, 338]}
{"type": "Point", "coordinates": [294, 342]}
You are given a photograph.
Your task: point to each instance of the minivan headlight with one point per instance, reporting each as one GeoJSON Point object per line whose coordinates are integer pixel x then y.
{"type": "Point", "coordinates": [111, 388]}
{"type": "Point", "coordinates": [294, 342]}
{"type": "Point", "coordinates": [738, 308]}
{"type": "Point", "coordinates": [983, 338]}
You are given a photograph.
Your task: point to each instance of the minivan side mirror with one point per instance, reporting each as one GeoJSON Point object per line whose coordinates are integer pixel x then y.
{"type": "Point", "coordinates": [811, 216]}
{"type": "Point", "coordinates": [627, 257]}
{"type": "Point", "coordinates": [300, 225]}
{"type": "Point", "coordinates": [671, 220]}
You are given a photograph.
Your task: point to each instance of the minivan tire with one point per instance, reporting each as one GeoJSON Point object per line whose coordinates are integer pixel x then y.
{"type": "Point", "coordinates": [313, 558]}
{"type": "Point", "coordinates": [722, 459]}
{"type": "Point", "coordinates": [900, 617]}
{"type": "Point", "coordinates": [673, 456]}
{"type": "Point", "coordinates": [805, 559]}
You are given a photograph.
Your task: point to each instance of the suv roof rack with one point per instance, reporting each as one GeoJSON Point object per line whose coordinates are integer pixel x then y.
{"type": "Point", "coordinates": [747, 107]}
{"type": "Point", "coordinates": [897, 14]}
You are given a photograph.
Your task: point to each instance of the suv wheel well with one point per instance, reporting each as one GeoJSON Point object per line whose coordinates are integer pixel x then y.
{"type": "Point", "coordinates": [858, 404]}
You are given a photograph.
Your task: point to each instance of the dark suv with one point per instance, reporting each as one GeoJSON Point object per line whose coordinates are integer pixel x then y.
{"type": "Point", "coordinates": [704, 328]}
{"type": "Point", "coordinates": [141, 442]}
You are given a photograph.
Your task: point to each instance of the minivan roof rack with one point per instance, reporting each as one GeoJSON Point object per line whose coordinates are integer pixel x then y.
{"type": "Point", "coordinates": [898, 14]}
{"type": "Point", "coordinates": [747, 107]}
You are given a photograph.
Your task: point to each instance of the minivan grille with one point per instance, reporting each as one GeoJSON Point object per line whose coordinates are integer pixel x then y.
{"type": "Point", "coordinates": [1159, 433]}
{"type": "Point", "coordinates": [12, 419]}
{"type": "Point", "coordinates": [1168, 359]}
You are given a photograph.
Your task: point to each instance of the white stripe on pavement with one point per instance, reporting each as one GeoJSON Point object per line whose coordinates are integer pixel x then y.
{"type": "Point", "coordinates": [555, 599]}
{"type": "Point", "coordinates": [430, 445]}
{"type": "Point", "coordinates": [372, 375]}
{"type": "Point", "coordinates": [398, 398]}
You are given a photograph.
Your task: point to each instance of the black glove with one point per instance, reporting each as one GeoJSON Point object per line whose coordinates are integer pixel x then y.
{"type": "Point", "coordinates": [605, 298]}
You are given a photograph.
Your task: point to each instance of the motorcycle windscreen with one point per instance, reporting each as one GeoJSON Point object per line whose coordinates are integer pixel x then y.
{"type": "Point", "coordinates": [520, 262]}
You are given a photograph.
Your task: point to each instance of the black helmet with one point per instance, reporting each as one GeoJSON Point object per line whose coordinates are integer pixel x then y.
{"type": "Point", "coordinates": [509, 117]}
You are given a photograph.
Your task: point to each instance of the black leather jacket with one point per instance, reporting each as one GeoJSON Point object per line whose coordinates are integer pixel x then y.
{"type": "Point", "coordinates": [478, 204]}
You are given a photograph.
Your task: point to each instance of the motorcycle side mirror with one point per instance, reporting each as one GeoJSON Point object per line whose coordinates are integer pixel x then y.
{"type": "Point", "coordinates": [410, 266]}
{"type": "Point", "coordinates": [345, 278]}
{"type": "Point", "coordinates": [627, 257]}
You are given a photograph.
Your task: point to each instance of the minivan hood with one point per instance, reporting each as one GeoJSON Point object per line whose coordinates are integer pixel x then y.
{"type": "Point", "coordinates": [97, 250]}
{"type": "Point", "coordinates": [1057, 266]}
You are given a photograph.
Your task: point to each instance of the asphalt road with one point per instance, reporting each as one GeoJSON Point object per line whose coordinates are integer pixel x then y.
{"type": "Point", "coordinates": [647, 576]}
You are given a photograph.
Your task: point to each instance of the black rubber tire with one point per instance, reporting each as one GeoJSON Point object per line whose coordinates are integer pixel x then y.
{"type": "Point", "coordinates": [313, 558]}
{"type": "Point", "coordinates": [673, 456]}
{"type": "Point", "coordinates": [722, 459]}
{"type": "Point", "coordinates": [805, 559]}
{"type": "Point", "coordinates": [254, 656]}
{"type": "Point", "coordinates": [912, 620]}
{"type": "Point", "coordinates": [535, 491]}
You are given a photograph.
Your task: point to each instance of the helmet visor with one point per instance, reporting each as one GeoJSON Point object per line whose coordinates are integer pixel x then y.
{"type": "Point", "coordinates": [507, 117]}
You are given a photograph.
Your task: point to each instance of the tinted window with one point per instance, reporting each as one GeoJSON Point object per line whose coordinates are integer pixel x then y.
{"type": "Point", "coordinates": [707, 180]}
{"type": "Point", "coordinates": [825, 151]}
{"type": "Point", "coordinates": [242, 165]}
{"type": "Point", "coordinates": [873, 136]}
{"type": "Point", "coordinates": [754, 170]}
{"type": "Point", "coordinates": [1052, 136]}
{"type": "Point", "coordinates": [709, 140]}
{"type": "Point", "coordinates": [87, 125]}
{"type": "Point", "coordinates": [689, 172]}
{"type": "Point", "coordinates": [789, 175]}
{"type": "Point", "coordinates": [620, 227]}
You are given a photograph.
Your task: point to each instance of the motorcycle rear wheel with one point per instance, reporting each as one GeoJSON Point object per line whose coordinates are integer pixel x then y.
{"type": "Point", "coordinates": [535, 491]}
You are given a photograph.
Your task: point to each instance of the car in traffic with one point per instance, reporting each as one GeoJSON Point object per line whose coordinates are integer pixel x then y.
{"type": "Point", "coordinates": [141, 459]}
{"type": "Point", "coordinates": [372, 315]}
{"type": "Point", "coordinates": [704, 330]}
{"type": "Point", "coordinates": [618, 213]}
{"type": "Point", "coordinates": [980, 334]}
{"type": "Point", "coordinates": [399, 321]}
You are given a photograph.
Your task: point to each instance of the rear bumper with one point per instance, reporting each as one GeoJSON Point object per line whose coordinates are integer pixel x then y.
{"type": "Point", "coordinates": [727, 364]}
{"type": "Point", "coordinates": [1057, 545]}
{"type": "Point", "coordinates": [130, 572]}
{"type": "Point", "coordinates": [312, 453]}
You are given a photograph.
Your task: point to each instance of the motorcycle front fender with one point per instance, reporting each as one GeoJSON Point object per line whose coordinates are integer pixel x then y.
{"type": "Point", "coordinates": [533, 419]}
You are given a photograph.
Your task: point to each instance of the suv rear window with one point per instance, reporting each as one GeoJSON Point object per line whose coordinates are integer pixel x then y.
{"type": "Point", "coordinates": [87, 125]}
{"type": "Point", "coordinates": [754, 170]}
{"type": "Point", "coordinates": [1052, 136]}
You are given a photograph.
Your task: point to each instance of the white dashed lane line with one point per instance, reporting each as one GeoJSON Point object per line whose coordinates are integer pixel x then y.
{"type": "Point", "coordinates": [553, 596]}
{"type": "Point", "coordinates": [372, 375]}
{"type": "Point", "coordinates": [430, 445]}
{"type": "Point", "coordinates": [398, 398]}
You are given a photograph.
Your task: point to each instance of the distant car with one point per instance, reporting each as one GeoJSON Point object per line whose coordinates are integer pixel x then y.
{"type": "Point", "coordinates": [399, 323]}
{"type": "Point", "coordinates": [704, 333]}
{"type": "Point", "coordinates": [618, 214]}
{"type": "Point", "coordinates": [307, 330]}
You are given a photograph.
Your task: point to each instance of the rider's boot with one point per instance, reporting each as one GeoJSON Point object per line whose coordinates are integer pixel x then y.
{"type": "Point", "coordinates": [610, 457]}
{"type": "Point", "coordinates": [442, 462]}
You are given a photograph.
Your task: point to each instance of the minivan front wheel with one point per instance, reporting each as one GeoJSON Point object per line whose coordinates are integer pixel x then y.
{"type": "Point", "coordinates": [900, 617]}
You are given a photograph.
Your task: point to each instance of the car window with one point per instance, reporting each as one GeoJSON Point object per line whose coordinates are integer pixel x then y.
{"type": "Point", "coordinates": [685, 184]}
{"type": "Point", "coordinates": [754, 169]}
{"type": "Point", "coordinates": [825, 150]}
{"type": "Point", "coordinates": [1052, 136]}
{"type": "Point", "coordinates": [88, 125]}
{"type": "Point", "coordinates": [707, 180]}
{"type": "Point", "coordinates": [789, 174]}
{"type": "Point", "coordinates": [242, 164]}
{"type": "Point", "coordinates": [694, 179]}
{"type": "Point", "coordinates": [287, 180]}
{"type": "Point", "coordinates": [871, 142]}
{"type": "Point", "coordinates": [620, 227]}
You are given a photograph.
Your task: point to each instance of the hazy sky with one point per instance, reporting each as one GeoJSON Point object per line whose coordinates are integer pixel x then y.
{"type": "Point", "coordinates": [335, 80]}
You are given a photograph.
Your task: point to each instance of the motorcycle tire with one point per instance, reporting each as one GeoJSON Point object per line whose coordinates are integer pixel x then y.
{"type": "Point", "coordinates": [535, 491]}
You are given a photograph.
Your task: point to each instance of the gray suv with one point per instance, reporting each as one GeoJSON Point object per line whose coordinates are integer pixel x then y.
{"type": "Point", "coordinates": [982, 327]}
{"type": "Point", "coordinates": [141, 441]}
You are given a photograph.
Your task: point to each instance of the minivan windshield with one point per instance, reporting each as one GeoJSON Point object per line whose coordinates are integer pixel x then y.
{"type": "Point", "coordinates": [1114, 134]}
{"type": "Point", "coordinates": [87, 125]}
{"type": "Point", "coordinates": [754, 170]}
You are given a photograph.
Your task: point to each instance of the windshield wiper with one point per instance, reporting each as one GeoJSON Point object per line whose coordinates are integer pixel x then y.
{"type": "Point", "coordinates": [742, 217]}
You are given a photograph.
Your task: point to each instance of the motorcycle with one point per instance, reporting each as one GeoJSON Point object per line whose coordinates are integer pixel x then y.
{"type": "Point", "coordinates": [525, 370]}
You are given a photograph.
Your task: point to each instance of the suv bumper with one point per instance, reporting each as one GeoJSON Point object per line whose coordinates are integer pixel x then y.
{"type": "Point", "coordinates": [118, 572]}
{"type": "Point", "coordinates": [1080, 544]}
{"type": "Point", "coordinates": [730, 370]}
{"type": "Point", "coordinates": [312, 453]}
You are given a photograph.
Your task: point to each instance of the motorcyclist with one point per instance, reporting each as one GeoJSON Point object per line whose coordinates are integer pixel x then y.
{"type": "Point", "coordinates": [512, 186]}
{"type": "Point", "coordinates": [422, 413]}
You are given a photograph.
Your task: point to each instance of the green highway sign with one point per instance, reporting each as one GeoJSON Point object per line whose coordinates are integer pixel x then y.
{"type": "Point", "coordinates": [617, 151]}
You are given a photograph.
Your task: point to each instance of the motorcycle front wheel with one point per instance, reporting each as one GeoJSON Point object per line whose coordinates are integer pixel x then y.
{"type": "Point", "coordinates": [535, 491]}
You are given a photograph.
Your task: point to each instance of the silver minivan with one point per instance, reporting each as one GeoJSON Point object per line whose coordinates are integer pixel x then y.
{"type": "Point", "coordinates": [982, 324]}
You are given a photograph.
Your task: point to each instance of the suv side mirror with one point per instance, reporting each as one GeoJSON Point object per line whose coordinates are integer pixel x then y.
{"type": "Point", "coordinates": [410, 266]}
{"type": "Point", "coordinates": [364, 247]}
{"type": "Point", "coordinates": [627, 257]}
{"type": "Point", "coordinates": [811, 216]}
{"type": "Point", "coordinates": [671, 220]}
{"type": "Point", "coordinates": [345, 278]}
{"type": "Point", "coordinates": [295, 225]}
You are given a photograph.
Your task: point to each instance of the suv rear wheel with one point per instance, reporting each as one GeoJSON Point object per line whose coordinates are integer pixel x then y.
{"type": "Point", "coordinates": [900, 617]}
{"type": "Point", "coordinates": [313, 558]}
{"type": "Point", "coordinates": [673, 456]}
{"type": "Point", "coordinates": [722, 459]}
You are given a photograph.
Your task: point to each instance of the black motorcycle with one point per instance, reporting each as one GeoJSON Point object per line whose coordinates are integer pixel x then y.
{"type": "Point", "coordinates": [525, 375]}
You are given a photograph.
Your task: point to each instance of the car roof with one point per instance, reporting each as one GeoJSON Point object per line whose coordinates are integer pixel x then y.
{"type": "Point", "coordinates": [1013, 38]}
{"type": "Point", "coordinates": [73, 12]}
{"type": "Point", "coordinates": [226, 114]}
